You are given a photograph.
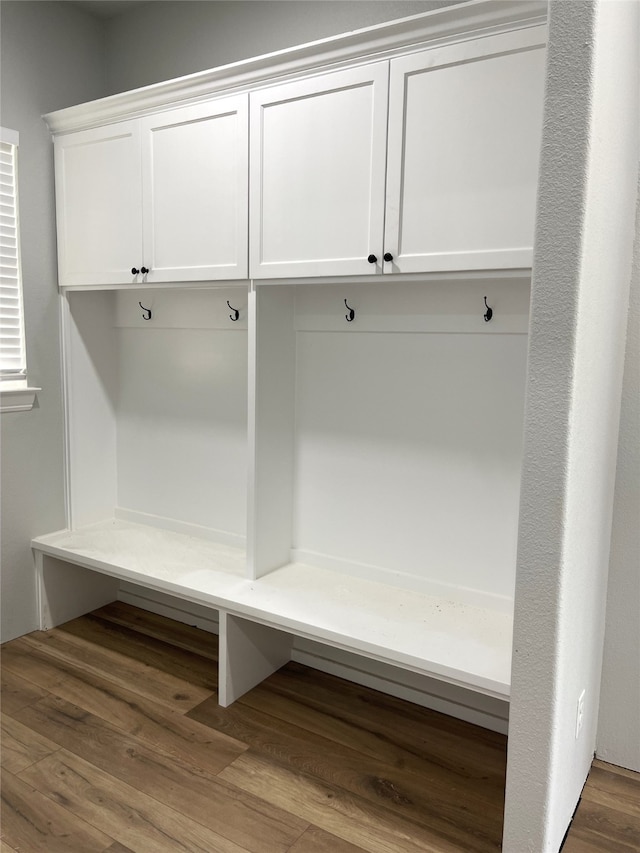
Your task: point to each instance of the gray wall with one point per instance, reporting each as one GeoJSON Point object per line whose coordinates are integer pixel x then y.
{"type": "Point", "coordinates": [52, 56]}
{"type": "Point", "coordinates": [161, 40]}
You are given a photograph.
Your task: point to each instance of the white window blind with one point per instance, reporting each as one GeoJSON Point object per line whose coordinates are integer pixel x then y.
{"type": "Point", "coordinates": [12, 349]}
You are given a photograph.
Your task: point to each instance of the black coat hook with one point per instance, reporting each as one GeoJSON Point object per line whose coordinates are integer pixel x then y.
{"type": "Point", "coordinates": [146, 312]}
{"type": "Point", "coordinates": [235, 314]}
{"type": "Point", "coordinates": [351, 314]}
{"type": "Point", "coordinates": [489, 313]}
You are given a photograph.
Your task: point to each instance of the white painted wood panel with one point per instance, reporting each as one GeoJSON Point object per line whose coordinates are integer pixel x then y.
{"type": "Point", "coordinates": [318, 149]}
{"type": "Point", "coordinates": [90, 377]}
{"type": "Point", "coordinates": [465, 125]}
{"type": "Point", "coordinates": [182, 411]}
{"type": "Point", "coordinates": [249, 653]}
{"type": "Point", "coordinates": [157, 409]}
{"type": "Point", "coordinates": [407, 458]}
{"type": "Point", "coordinates": [271, 428]}
{"type": "Point", "coordinates": [99, 205]}
{"type": "Point", "coordinates": [463, 645]}
{"type": "Point", "coordinates": [195, 185]}
{"type": "Point", "coordinates": [456, 307]}
{"type": "Point", "coordinates": [158, 559]}
{"type": "Point", "coordinates": [65, 591]}
{"type": "Point", "coordinates": [182, 425]}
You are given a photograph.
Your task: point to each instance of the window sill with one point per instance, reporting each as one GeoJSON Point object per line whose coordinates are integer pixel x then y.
{"type": "Point", "coordinates": [17, 396]}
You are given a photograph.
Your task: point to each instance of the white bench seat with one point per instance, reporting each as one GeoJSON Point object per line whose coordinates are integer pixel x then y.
{"type": "Point", "coordinates": [461, 644]}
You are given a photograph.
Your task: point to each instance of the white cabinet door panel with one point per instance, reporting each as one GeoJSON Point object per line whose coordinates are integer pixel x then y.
{"type": "Point", "coordinates": [465, 123]}
{"type": "Point", "coordinates": [318, 149]}
{"type": "Point", "coordinates": [195, 183]}
{"type": "Point", "coordinates": [99, 205]}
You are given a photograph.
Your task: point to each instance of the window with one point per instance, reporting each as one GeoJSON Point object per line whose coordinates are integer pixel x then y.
{"type": "Point", "coordinates": [15, 395]}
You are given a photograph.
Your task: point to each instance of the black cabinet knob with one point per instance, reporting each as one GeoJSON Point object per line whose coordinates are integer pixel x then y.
{"type": "Point", "coordinates": [144, 270]}
{"type": "Point", "coordinates": [134, 271]}
{"type": "Point", "coordinates": [372, 259]}
{"type": "Point", "coordinates": [387, 256]}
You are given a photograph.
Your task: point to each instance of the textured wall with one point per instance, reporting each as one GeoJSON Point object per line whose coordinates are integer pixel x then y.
{"type": "Point", "coordinates": [582, 270]}
{"type": "Point", "coordinates": [52, 57]}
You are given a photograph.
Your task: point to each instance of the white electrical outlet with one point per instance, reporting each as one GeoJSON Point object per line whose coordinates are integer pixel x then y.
{"type": "Point", "coordinates": [580, 714]}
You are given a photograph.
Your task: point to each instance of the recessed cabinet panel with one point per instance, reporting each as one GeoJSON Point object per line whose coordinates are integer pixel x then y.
{"type": "Point", "coordinates": [195, 180]}
{"type": "Point", "coordinates": [407, 458]}
{"type": "Point", "coordinates": [318, 161]}
{"type": "Point", "coordinates": [158, 409]}
{"type": "Point", "coordinates": [99, 205]}
{"type": "Point", "coordinates": [464, 135]}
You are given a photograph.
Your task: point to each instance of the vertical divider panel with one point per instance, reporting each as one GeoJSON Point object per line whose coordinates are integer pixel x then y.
{"type": "Point", "coordinates": [249, 653]}
{"type": "Point", "coordinates": [90, 367]}
{"type": "Point", "coordinates": [271, 427]}
{"type": "Point", "coordinates": [65, 591]}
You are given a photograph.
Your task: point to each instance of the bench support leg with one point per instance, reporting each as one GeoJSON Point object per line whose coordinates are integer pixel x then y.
{"type": "Point", "coordinates": [65, 591]}
{"type": "Point", "coordinates": [249, 653]}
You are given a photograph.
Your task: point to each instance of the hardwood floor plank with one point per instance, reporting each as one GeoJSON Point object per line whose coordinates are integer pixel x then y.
{"type": "Point", "coordinates": [575, 844]}
{"type": "Point", "coordinates": [316, 840]}
{"type": "Point", "coordinates": [608, 830]}
{"type": "Point", "coordinates": [132, 818]}
{"type": "Point", "coordinates": [19, 661]}
{"type": "Point", "coordinates": [612, 789]}
{"type": "Point", "coordinates": [470, 764]}
{"type": "Point", "coordinates": [448, 804]}
{"type": "Point", "coordinates": [178, 634]}
{"type": "Point", "coordinates": [16, 692]}
{"type": "Point", "coordinates": [153, 722]}
{"type": "Point", "coordinates": [632, 775]}
{"type": "Point", "coordinates": [243, 818]}
{"type": "Point", "coordinates": [367, 720]}
{"type": "Point", "coordinates": [21, 746]}
{"type": "Point", "coordinates": [334, 810]}
{"type": "Point", "coordinates": [304, 763]}
{"type": "Point", "coordinates": [146, 650]}
{"type": "Point", "coordinates": [171, 691]}
{"type": "Point", "coordinates": [33, 823]}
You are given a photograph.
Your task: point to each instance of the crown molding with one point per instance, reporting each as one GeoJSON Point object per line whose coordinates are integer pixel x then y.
{"type": "Point", "coordinates": [453, 23]}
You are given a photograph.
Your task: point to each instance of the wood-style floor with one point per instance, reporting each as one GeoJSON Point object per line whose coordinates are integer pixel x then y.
{"type": "Point", "coordinates": [113, 743]}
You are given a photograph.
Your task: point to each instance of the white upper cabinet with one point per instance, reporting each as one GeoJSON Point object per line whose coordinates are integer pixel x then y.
{"type": "Point", "coordinates": [195, 185]}
{"type": "Point", "coordinates": [99, 205]}
{"type": "Point", "coordinates": [159, 199]}
{"type": "Point", "coordinates": [318, 149]}
{"type": "Point", "coordinates": [465, 122]}
{"type": "Point", "coordinates": [423, 162]}
{"type": "Point", "coordinates": [461, 152]}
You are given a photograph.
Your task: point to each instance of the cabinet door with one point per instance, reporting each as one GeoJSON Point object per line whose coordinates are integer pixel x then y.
{"type": "Point", "coordinates": [465, 123]}
{"type": "Point", "coordinates": [318, 149]}
{"type": "Point", "coordinates": [99, 205]}
{"type": "Point", "coordinates": [195, 186]}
